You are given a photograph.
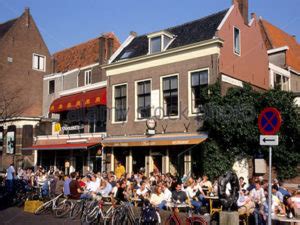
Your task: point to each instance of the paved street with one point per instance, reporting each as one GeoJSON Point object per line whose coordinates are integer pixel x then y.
{"type": "Point", "coordinates": [16, 216]}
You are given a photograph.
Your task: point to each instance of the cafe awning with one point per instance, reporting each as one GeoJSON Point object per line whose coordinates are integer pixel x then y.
{"type": "Point", "coordinates": [155, 140]}
{"type": "Point", "coordinates": [79, 100]}
{"type": "Point", "coordinates": [68, 146]}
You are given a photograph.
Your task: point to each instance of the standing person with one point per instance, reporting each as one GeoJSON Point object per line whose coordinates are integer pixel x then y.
{"type": "Point", "coordinates": [258, 196]}
{"type": "Point", "coordinates": [120, 170]}
{"type": "Point", "coordinates": [67, 185]}
{"type": "Point", "coordinates": [10, 176]}
{"type": "Point", "coordinates": [59, 186]}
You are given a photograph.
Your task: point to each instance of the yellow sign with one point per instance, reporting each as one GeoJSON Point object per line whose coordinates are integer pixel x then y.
{"type": "Point", "coordinates": [57, 127]}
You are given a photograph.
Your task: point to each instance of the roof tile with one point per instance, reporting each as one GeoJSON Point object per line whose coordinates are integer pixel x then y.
{"type": "Point", "coordinates": [277, 38]}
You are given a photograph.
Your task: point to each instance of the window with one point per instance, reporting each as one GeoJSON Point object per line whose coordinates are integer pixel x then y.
{"type": "Point", "coordinates": [126, 54]}
{"type": "Point", "coordinates": [159, 41]}
{"type": "Point", "coordinates": [199, 80]}
{"type": "Point", "coordinates": [87, 77]}
{"type": "Point", "coordinates": [155, 44]}
{"type": "Point", "coordinates": [237, 41]}
{"type": "Point", "coordinates": [144, 99]}
{"type": "Point", "coordinates": [170, 96]}
{"type": "Point", "coordinates": [51, 87]}
{"type": "Point", "coordinates": [120, 103]}
{"type": "Point", "coordinates": [38, 62]}
{"type": "Point", "coordinates": [281, 82]}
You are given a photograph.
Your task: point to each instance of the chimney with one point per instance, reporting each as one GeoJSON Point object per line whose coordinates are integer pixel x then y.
{"type": "Point", "coordinates": [110, 46]}
{"type": "Point", "coordinates": [27, 14]}
{"type": "Point", "coordinates": [102, 49]}
{"type": "Point", "coordinates": [244, 8]}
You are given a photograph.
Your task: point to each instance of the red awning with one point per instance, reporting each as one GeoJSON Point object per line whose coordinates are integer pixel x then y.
{"type": "Point", "coordinates": [68, 146]}
{"type": "Point", "coordinates": [79, 100]}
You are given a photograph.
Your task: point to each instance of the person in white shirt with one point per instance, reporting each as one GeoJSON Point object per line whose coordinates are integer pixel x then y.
{"type": "Point", "coordinates": [191, 192]}
{"type": "Point", "coordinates": [10, 176]}
{"type": "Point", "coordinates": [142, 192]}
{"type": "Point", "coordinates": [105, 188]}
{"type": "Point", "coordinates": [258, 196]}
{"type": "Point", "coordinates": [91, 184]}
{"type": "Point", "coordinates": [157, 198]}
{"type": "Point", "coordinates": [167, 192]}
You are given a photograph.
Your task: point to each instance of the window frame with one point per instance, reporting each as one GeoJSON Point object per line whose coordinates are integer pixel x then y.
{"type": "Point", "coordinates": [114, 103]}
{"type": "Point", "coordinates": [162, 36]}
{"type": "Point", "coordinates": [162, 95]}
{"type": "Point", "coordinates": [191, 112]}
{"type": "Point", "coordinates": [87, 72]}
{"type": "Point", "coordinates": [240, 42]}
{"type": "Point", "coordinates": [49, 87]}
{"type": "Point", "coordinates": [137, 119]}
{"type": "Point", "coordinates": [38, 55]}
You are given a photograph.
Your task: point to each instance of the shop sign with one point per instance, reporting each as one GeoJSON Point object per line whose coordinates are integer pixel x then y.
{"type": "Point", "coordinates": [57, 127]}
{"type": "Point", "coordinates": [70, 128]}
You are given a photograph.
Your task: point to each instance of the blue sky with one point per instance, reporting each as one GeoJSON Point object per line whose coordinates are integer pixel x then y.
{"type": "Point", "coordinates": [64, 23]}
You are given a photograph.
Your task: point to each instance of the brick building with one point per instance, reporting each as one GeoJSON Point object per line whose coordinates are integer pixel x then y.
{"type": "Point", "coordinates": [155, 82]}
{"type": "Point", "coordinates": [74, 99]}
{"type": "Point", "coordinates": [24, 60]}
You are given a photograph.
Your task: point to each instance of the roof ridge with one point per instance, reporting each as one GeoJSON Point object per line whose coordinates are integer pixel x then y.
{"type": "Point", "coordinates": [186, 23]}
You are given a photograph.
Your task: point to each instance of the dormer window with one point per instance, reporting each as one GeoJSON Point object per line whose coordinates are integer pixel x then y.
{"type": "Point", "coordinates": [155, 44]}
{"type": "Point", "coordinates": [159, 41]}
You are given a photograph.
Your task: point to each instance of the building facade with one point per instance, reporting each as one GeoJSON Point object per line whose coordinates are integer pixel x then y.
{"type": "Point", "coordinates": [74, 98]}
{"type": "Point", "coordinates": [155, 83]}
{"type": "Point", "coordinates": [24, 60]}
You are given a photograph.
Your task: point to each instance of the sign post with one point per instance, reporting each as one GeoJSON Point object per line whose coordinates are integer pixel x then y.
{"type": "Point", "coordinates": [269, 122]}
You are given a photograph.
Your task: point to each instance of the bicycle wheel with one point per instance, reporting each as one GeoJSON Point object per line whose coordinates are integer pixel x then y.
{"type": "Point", "coordinates": [76, 210]}
{"type": "Point", "coordinates": [63, 209]}
{"type": "Point", "coordinates": [43, 208]}
{"type": "Point", "coordinates": [196, 220]}
{"type": "Point", "coordinates": [92, 216]}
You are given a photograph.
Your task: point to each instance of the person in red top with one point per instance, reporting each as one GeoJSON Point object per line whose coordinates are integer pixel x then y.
{"type": "Point", "coordinates": [75, 189]}
{"type": "Point", "coordinates": [81, 183]}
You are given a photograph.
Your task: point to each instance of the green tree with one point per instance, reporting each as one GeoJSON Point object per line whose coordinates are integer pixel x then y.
{"type": "Point", "coordinates": [231, 122]}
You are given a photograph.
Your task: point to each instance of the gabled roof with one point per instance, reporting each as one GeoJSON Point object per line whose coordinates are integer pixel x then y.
{"type": "Point", "coordinates": [185, 34]}
{"type": "Point", "coordinates": [4, 27]}
{"type": "Point", "coordinates": [81, 55]}
{"type": "Point", "coordinates": [276, 38]}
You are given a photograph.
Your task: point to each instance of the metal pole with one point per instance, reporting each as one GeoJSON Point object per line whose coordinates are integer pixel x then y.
{"type": "Point", "coordinates": [270, 188]}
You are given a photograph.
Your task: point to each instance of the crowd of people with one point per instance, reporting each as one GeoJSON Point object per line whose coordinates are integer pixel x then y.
{"type": "Point", "coordinates": [159, 189]}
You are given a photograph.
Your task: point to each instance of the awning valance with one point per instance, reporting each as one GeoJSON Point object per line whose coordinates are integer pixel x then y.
{"type": "Point", "coordinates": [156, 140]}
{"type": "Point", "coordinates": [68, 146]}
{"type": "Point", "coordinates": [79, 100]}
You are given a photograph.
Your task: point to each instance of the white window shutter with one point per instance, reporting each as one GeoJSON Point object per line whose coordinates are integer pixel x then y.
{"type": "Point", "coordinates": [35, 62]}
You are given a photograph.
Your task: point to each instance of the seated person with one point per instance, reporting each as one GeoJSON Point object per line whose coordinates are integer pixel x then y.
{"type": "Point", "coordinates": [244, 203]}
{"type": "Point", "coordinates": [178, 195]}
{"type": "Point", "coordinates": [91, 184]}
{"type": "Point", "coordinates": [192, 191]}
{"type": "Point", "coordinates": [167, 192]}
{"type": "Point", "coordinates": [121, 194]}
{"type": "Point", "coordinates": [142, 192]}
{"type": "Point", "coordinates": [157, 198]}
{"type": "Point", "coordinates": [105, 188]}
{"type": "Point", "coordinates": [276, 192]}
{"type": "Point", "coordinates": [75, 189]}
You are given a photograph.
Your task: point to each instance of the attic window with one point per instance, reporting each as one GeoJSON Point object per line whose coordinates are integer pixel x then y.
{"type": "Point", "coordinates": [126, 54]}
{"type": "Point", "coordinates": [159, 42]}
{"type": "Point", "coordinates": [155, 44]}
